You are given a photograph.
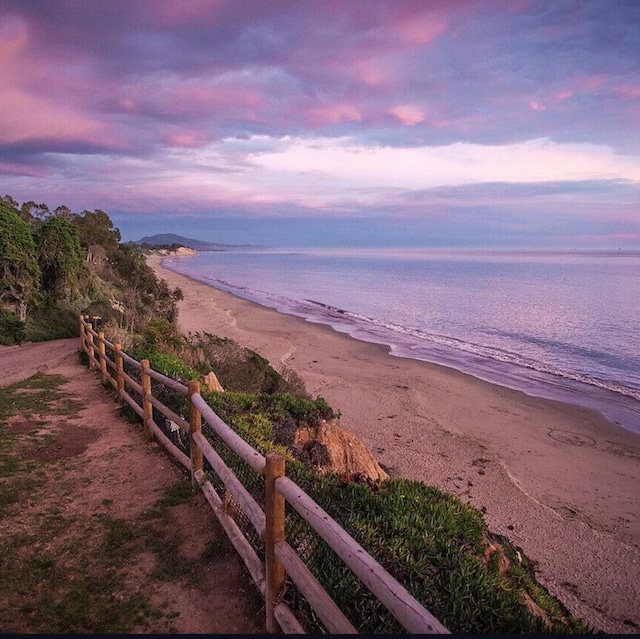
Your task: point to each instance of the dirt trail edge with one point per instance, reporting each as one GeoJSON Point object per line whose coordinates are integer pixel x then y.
{"type": "Point", "coordinates": [98, 491]}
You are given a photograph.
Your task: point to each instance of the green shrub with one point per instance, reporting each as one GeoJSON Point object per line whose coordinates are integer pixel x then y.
{"type": "Point", "coordinates": [432, 543]}
{"type": "Point", "coordinates": [161, 332]}
{"type": "Point", "coordinates": [12, 330]}
{"type": "Point", "coordinates": [172, 366]}
{"type": "Point", "coordinates": [51, 322]}
{"type": "Point", "coordinates": [238, 368]}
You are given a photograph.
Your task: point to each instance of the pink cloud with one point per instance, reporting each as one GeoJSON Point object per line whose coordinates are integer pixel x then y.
{"type": "Point", "coordinates": [628, 92]}
{"type": "Point", "coordinates": [187, 139]}
{"type": "Point", "coordinates": [39, 103]}
{"type": "Point", "coordinates": [14, 38]}
{"type": "Point", "coordinates": [7, 168]}
{"type": "Point", "coordinates": [333, 114]}
{"type": "Point", "coordinates": [169, 12]}
{"type": "Point", "coordinates": [408, 114]}
{"type": "Point", "coordinates": [25, 117]}
{"type": "Point", "coordinates": [575, 86]}
{"type": "Point", "coordinates": [178, 99]}
{"type": "Point", "coordinates": [373, 72]}
{"type": "Point", "coordinates": [579, 84]}
{"type": "Point", "coordinates": [420, 29]}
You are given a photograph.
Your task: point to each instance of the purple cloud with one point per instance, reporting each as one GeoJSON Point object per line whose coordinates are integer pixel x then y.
{"type": "Point", "coordinates": [151, 93]}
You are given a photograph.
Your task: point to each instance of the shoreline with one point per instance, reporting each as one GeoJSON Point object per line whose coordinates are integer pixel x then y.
{"type": "Point", "coordinates": [558, 480]}
{"type": "Point", "coordinates": [619, 404]}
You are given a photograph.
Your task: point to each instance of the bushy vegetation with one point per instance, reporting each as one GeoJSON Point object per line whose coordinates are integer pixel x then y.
{"type": "Point", "coordinates": [189, 357]}
{"type": "Point", "coordinates": [57, 264]}
{"type": "Point", "coordinates": [439, 548]}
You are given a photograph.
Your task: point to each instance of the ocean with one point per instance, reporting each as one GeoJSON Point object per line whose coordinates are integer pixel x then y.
{"type": "Point", "coordinates": [559, 325]}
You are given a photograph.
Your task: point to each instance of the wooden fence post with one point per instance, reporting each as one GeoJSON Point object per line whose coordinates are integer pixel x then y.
{"type": "Point", "coordinates": [102, 352]}
{"type": "Point", "coordinates": [81, 331]}
{"type": "Point", "coordinates": [195, 426]}
{"type": "Point", "coordinates": [146, 403]}
{"type": "Point", "coordinates": [274, 532]}
{"type": "Point", "coordinates": [119, 371]}
{"type": "Point", "coordinates": [91, 350]}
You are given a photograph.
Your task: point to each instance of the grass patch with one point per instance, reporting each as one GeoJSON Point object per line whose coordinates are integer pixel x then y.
{"type": "Point", "coordinates": [85, 592]}
{"type": "Point", "coordinates": [434, 544]}
{"type": "Point", "coordinates": [119, 539]}
{"type": "Point", "coordinates": [37, 395]}
{"type": "Point", "coordinates": [9, 463]}
{"type": "Point", "coordinates": [26, 399]}
{"type": "Point", "coordinates": [62, 573]}
{"type": "Point", "coordinates": [162, 538]}
{"type": "Point", "coordinates": [16, 489]}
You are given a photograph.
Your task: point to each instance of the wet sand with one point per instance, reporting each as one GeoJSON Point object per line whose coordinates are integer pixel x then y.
{"type": "Point", "coordinates": [558, 480]}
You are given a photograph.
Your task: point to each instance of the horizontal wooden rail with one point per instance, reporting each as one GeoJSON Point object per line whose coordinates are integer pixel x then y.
{"type": "Point", "coordinates": [248, 504]}
{"type": "Point", "coordinates": [402, 605]}
{"type": "Point", "coordinates": [132, 382]}
{"type": "Point", "coordinates": [287, 620]}
{"type": "Point", "coordinates": [329, 613]}
{"type": "Point", "coordinates": [132, 402]}
{"type": "Point", "coordinates": [167, 412]}
{"type": "Point", "coordinates": [133, 362]}
{"type": "Point", "coordinates": [280, 557]}
{"type": "Point", "coordinates": [108, 344]}
{"type": "Point", "coordinates": [239, 541]}
{"type": "Point", "coordinates": [176, 453]}
{"type": "Point", "coordinates": [168, 382]}
{"type": "Point", "coordinates": [91, 330]}
{"type": "Point", "coordinates": [251, 456]}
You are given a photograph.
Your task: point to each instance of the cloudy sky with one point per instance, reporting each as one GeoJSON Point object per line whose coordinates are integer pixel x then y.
{"type": "Point", "coordinates": [437, 122]}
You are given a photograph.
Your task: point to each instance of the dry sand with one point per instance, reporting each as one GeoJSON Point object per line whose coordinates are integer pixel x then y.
{"type": "Point", "coordinates": [558, 480]}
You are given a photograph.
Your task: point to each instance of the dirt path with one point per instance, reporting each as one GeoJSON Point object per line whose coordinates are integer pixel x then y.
{"type": "Point", "coordinates": [87, 502]}
{"type": "Point", "coordinates": [20, 362]}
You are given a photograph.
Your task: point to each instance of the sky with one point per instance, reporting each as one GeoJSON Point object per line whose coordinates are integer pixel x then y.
{"type": "Point", "coordinates": [385, 122]}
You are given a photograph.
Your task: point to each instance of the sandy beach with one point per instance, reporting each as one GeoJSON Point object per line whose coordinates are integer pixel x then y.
{"type": "Point", "coordinates": [559, 481]}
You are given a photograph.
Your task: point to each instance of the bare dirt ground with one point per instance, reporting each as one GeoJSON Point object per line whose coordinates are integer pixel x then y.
{"type": "Point", "coordinates": [95, 469]}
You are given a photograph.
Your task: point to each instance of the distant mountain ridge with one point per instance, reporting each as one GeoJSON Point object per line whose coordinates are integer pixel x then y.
{"type": "Point", "coordinates": [166, 239]}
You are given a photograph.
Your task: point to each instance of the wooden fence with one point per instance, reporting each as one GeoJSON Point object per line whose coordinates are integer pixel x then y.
{"type": "Point", "coordinates": [280, 558]}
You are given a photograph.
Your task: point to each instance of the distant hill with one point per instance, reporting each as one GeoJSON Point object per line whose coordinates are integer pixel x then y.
{"type": "Point", "coordinates": [167, 239]}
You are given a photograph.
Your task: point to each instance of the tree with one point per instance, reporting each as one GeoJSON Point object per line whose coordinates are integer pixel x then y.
{"type": "Point", "coordinates": [97, 228]}
{"type": "Point", "coordinates": [10, 203]}
{"type": "Point", "coordinates": [145, 295]}
{"type": "Point", "coordinates": [61, 259]}
{"type": "Point", "coordinates": [19, 271]}
{"type": "Point", "coordinates": [64, 211]}
{"type": "Point", "coordinates": [34, 214]}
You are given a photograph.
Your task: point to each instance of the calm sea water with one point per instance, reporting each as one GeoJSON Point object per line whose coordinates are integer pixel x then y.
{"type": "Point", "coordinates": [561, 325]}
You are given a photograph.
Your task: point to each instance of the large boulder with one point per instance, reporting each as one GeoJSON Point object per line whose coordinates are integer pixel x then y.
{"type": "Point", "coordinates": [330, 448]}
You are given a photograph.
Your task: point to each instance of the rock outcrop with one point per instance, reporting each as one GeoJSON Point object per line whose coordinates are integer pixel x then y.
{"type": "Point", "coordinates": [330, 448]}
{"type": "Point", "coordinates": [212, 383]}
{"type": "Point", "coordinates": [181, 250]}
